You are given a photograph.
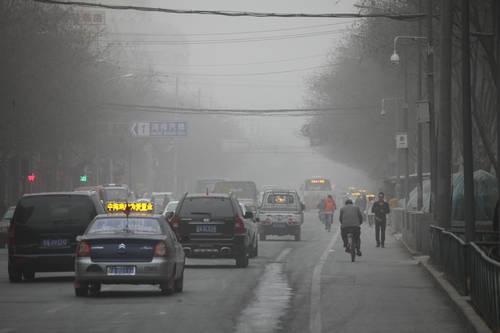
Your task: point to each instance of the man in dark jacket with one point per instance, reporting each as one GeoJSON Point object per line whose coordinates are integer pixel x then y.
{"type": "Point", "coordinates": [350, 222]}
{"type": "Point", "coordinates": [380, 208]}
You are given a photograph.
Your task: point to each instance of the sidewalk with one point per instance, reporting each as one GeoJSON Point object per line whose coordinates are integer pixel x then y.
{"type": "Point", "coordinates": [385, 290]}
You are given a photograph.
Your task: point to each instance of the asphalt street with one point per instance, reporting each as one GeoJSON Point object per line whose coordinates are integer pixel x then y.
{"type": "Point", "coordinates": [306, 286]}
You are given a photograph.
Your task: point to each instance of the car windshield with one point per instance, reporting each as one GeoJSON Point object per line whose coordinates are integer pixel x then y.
{"type": "Point", "coordinates": [146, 226]}
{"type": "Point", "coordinates": [242, 190]}
{"type": "Point", "coordinates": [213, 207]}
{"type": "Point", "coordinates": [9, 213]}
{"type": "Point", "coordinates": [59, 209]}
{"type": "Point", "coordinates": [318, 185]}
{"type": "Point", "coordinates": [116, 194]}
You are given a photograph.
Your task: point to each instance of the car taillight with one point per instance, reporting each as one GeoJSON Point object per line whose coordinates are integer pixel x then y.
{"type": "Point", "coordinates": [11, 234]}
{"type": "Point", "coordinates": [83, 249]}
{"type": "Point", "coordinates": [161, 249]}
{"type": "Point", "coordinates": [291, 220]}
{"type": "Point", "coordinates": [175, 223]}
{"type": "Point", "coordinates": [239, 226]}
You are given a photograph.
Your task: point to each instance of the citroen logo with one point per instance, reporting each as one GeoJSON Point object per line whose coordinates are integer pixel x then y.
{"type": "Point", "coordinates": [122, 246]}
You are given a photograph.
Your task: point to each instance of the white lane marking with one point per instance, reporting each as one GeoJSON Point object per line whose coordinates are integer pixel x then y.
{"type": "Point", "coordinates": [57, 308]}
{"type": "Point", "coordinates": [284, 254]}
{"type": "Point", "coordinates": [315, 314]}
{"type": "Point", "coordinates": [271, 299]}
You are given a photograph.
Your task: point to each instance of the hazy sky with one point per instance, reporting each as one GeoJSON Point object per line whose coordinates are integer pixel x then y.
{"type": "Point", "coordinates": [209, 64]}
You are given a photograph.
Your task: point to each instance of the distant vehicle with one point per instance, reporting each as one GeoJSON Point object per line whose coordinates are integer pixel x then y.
{"type": "Point", "coordinates": [315, 189]}
{"type": "Point", "coordinates": [43, 230]}
{"type": "Point", "coordinates": [116, 193]}
{"type": "Point", "coordinates": [134, 249]}
{"type": "Point", "coordinates": [4, 225]}
{"type": "Point", "coordinates": [245, 192]}
{"type": "Point", "coordinates": [281, 213]}
{"type": "Point", "coordinates": [170, 208]}
{"type": "Point", "coordinates": [99, 189]}
{"type": "Point", "coordinates": [160, 200]}
{"type": "Point", "coordinates": [208, 184]}
{"type": "Point", "coordinates": [213, 226]}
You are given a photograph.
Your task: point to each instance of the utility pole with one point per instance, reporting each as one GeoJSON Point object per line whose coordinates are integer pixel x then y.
{"type": "Point", "coordinates": [405, 129]}
{"type": "Point", "coordinates": [444, 123]}
{"type": "Point", "coordinates": [432, 117]}
{"type": "Point", "coordinates": [467, 128]}
{"type": "Point", "coordinates": [420, 155]}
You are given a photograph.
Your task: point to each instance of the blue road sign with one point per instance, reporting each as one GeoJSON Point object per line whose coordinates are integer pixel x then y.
{"type": "Point", "coordinates": [159, 129]}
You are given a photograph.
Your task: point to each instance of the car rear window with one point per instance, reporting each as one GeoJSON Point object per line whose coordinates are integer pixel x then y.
{"type": "Point", "coordinates": [213, 207]}
{"type": "Point", "coordinates": [284, 201]}
{"type": "Point", "coordinates": [145, 226]}
{"type": "Point", "coordinates": [59, 209]}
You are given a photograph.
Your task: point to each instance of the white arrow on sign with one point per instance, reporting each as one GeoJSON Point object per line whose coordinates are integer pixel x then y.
{"type": "Point", "coordinates": [140, 129]}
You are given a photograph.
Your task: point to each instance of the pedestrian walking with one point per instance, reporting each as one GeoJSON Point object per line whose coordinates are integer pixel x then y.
{"type": "Point", "coordinates": [368, 212]}
{"type": "Point", "coordinates": [380, 209]}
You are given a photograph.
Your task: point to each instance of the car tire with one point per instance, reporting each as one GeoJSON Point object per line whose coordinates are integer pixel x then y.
{"type": "Point", "coordinates": [179, 283]}
{"type": "Point", "coordinates": [242, 260]}
{"type": "Point", "coordinates": [262, 237]}
{"type": "Point", "coordinates": [94, 289]}
{"type": "Point", "coordinates": [81, 289]}
{"type": "Point", "coordinates": [29, 275]}
{"type": "Point", "coordinates": [168, 287]}
{"type": "Point", "coordinates": [298, 236]}
{"type": "Point", "coordinates": [15, 275]}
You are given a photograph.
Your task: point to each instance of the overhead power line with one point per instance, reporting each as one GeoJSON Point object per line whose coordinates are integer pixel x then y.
{"type": "Point", "coordinates": [229, 13]}
{"type": "Point", "coordinates": [223, 41]}
{"type": "Point", "coordinates": [304, 112]}
{"type": "Point", "coordinates": [149, 34]}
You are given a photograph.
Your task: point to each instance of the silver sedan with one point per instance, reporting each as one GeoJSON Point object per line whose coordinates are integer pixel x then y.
{"type": "Point", "coordinates": [135, 249]}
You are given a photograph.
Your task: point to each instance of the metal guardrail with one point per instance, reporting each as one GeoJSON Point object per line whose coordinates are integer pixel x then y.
{"type": "Point", "coordinates": [484, 274]}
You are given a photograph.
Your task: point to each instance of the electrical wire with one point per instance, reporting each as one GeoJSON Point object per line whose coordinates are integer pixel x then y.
{"type": "Point", "coordinates": [401, 16]}
{"type": "Point", "coordinates": [221, 41]}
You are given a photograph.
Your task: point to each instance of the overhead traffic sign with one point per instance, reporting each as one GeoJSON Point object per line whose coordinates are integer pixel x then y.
{"type": "Point", "coordinates": [159, 129]}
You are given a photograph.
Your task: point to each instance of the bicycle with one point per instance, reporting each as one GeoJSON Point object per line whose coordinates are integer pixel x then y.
{"type": "Point", "coordinates": [328, 220]}
{"type": "Point", "coordinates": [352, 246]}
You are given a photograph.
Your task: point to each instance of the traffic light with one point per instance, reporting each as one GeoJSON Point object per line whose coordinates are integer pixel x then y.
{"type": "Point", "coordinates": [83, 178]}
{"type": "Point", "coordinates": [31, 178]}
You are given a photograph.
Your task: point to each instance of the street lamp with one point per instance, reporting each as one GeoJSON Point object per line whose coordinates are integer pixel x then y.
{"type": "Point", "coordinates": [396, 60]}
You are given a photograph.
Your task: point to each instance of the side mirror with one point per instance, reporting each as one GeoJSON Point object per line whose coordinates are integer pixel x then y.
{"type": "Point", "coordinates": [170, 215]}
{"type": "Point", "coordinates": [79, 238]}
{"type": "Point", "coordinates": [248, 215]}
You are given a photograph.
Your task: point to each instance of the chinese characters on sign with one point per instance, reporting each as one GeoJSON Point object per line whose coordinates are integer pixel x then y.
{"type": "Point", "coordinates": [159, 129]}
{"type": "Point", "coordinates": [136, 207]}
{"type": "Point", "coordinates": [92, 17]}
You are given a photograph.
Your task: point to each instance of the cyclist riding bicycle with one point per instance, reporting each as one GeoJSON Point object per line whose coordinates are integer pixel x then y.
{"type": "Point", "coordinates": [350, 222]}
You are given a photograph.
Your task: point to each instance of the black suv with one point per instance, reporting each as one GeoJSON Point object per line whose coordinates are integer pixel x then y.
{"type": "Point", "coordinates": [43, 231]}
{"type": "Point", "coordinates": [213, 226]}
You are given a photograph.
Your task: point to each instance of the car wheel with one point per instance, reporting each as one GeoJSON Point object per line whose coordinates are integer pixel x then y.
{"type": "Point", "coordinates": [167, 287]}
{"type": "Point", "coordinates": [15, 275]}
{"type": "Point", "coordinates": [262, 237]}
{"type": "Point", "coordinates": [95, 289]}
{"type": "Point", "coordinates": [179, 283]}
{"type": "Point", "coordinates": [242, 260]}
{"type": "Point", "coordinates": [81, 289]}
{"type": "Point", "coordinates": [297, 236]}
{"type": "Point", "coordinates": [28, 275]}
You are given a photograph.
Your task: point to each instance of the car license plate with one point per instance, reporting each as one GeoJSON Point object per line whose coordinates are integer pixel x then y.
{"type": "Point", "coordinates": [206, 228]}
{"type": "Point", "coordinates": [55, 243]}
{"type": "Point", "coordinates": [121, 270]}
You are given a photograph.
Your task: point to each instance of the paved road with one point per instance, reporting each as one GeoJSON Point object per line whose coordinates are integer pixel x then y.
{"type": "Point", "coordinates": [306, 286]}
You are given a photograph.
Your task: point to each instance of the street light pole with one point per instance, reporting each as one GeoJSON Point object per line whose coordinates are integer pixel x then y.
{"type": "Point", "coordinates": [430, 98]}
{"type": "Point", "coordinates": [420, 155]}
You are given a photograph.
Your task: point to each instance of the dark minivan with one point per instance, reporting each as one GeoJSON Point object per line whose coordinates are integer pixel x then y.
{"type": "Point", "coordinates": [43, 230]}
